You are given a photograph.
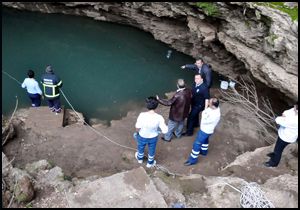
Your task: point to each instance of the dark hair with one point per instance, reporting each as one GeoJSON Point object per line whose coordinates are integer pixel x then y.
{"type": "Point", "coordinates": [215, 102]}
{"type": "Point", "coordinates": [296, 104]}
{"type": "Point", "coordinates": [198, 75]}
{"type": "Point", "coordinates": [201, 59]}
{"type": "Point", "coordinates": [30, 73]}
{"type": "Point", "coordinates": [151, 103]}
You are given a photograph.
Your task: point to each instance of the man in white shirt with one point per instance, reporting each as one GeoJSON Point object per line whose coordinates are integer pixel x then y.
{"type": "Point", "coordinates": [147, 126]}
{"type": "Point", "coordinates": [287, 133]}
{"type": "Point", "coordinates": [33, 89]}
{"type": "Point", "coordinates": [209, 120]}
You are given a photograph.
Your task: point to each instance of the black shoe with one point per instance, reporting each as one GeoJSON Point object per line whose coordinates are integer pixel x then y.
{"type": "Point", "coordinates": [268, 164]}
{"type": "Point", "coordinates": [187, 163]}
{"type": "Point", "coordinates": [163, 138]}
{"type": "Point", "coordinates": [270, 154]}
{"type": "Point", "coordinates": [186, 134]}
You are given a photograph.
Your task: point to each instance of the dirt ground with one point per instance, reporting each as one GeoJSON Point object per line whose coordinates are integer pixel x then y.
{"type": "Point", "coordinates": [81, 152]}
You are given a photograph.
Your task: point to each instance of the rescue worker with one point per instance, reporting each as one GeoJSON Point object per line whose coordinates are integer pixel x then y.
{"type": "Point", "coordinates": [209, 120]}
{"type": "Point", "coordinates": [51, 85]}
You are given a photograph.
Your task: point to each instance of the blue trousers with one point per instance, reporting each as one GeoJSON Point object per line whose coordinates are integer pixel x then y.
{"type": "Point", "coordinates": [200, 146]}
{"type": "Point", "coordinates": [54, 104]}
{"type": "Point", "coordinates": [35, 99]}
{"type": "Point", "coordinates": [141, 144]}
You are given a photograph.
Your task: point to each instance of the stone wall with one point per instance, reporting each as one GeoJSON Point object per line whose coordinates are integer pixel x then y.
{"type": "Point", "coordinates": [242, 38]}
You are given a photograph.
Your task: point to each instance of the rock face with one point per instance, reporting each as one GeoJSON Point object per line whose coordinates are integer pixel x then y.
{"type": "Point", "coordinates": [242, 38]}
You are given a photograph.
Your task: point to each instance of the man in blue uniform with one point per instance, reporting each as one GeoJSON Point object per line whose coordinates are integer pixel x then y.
{"type": "Point", "coordinates": [51, 84]}
{"type": "Point", "coordinates": [200, 92]}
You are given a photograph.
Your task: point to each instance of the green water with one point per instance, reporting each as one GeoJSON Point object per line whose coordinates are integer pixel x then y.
{"type": "Point", "coordinates": [107, 69]}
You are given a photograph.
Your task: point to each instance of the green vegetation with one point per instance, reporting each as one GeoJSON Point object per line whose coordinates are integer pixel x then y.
{"type": "Point", "coordinates": [51, 163]}
{"type": "Point", "coordinates": [21, 197]}
{"type": "Point", "coordinates": [292, 12]}
{"type": "Point", "coordinates": [67, 178]}
{"type": "Point", "coordinates": [29, 205]}
{"type": "Point", "coordinates": [209, 8]}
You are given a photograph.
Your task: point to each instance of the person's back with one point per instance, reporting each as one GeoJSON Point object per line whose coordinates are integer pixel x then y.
{"type": "Point", "coordinates": [33, 89]}
{"type": "Point", "coordinates": [147, 126]}
{"type": "Point", "coordinates": [51, 85]}
{"type": "Point", "coordinates": [210, 119]}
{"type": "Point", "coordinates": [180, 106]}
{"type": "Point", "coordinates": [149, 122]}
{"type": "Point", "coordinates": [188, 100]}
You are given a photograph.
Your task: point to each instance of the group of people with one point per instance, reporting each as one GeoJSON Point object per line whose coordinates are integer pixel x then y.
{"type": "Point", "coordinates": [187, 104]}
{"type": "Point", "coordinates": [51, 84]}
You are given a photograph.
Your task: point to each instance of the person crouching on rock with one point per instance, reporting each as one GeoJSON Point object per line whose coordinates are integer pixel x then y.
{"type": "Point", "coordinates": [147, 126]}
{"type": "Point", "coordinates": [209, 120]}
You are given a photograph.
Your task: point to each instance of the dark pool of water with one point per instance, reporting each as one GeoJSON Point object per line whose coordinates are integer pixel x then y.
{"type": "Point", "coordinates": [107, 69]}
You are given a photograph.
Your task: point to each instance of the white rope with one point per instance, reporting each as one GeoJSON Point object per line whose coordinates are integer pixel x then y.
{"type": "Point", "coordinates": [159, 167]}
{"type": "Point", "coordinates": [98, 132]}
{"type": "Point", "coordinates": [11, 77]}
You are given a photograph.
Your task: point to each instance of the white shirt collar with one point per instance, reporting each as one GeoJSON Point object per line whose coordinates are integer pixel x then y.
{"type": "Point", "coordinates": [179, 89]}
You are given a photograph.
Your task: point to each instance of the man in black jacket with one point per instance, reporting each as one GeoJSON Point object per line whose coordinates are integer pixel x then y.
{"type": "Point", "coordinates": [200, 92]}
{"type": "Point", "coordinates": [51, 84]}
{"type": "Point", "coordinates": [203, 69]}
{"type": "Point", "coordinates": [180, 106]}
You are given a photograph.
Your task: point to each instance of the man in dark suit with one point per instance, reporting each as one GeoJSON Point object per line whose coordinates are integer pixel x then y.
{"type": "Point", "coordinates": [203, 69]}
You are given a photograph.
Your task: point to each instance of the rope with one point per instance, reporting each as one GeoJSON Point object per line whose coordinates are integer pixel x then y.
{"type": "Point", "coordinates": [159, 167]}
{"type": "Point", "coordinates": [11, 77]}
{"type": "Point", "coordinates": [96, 131]}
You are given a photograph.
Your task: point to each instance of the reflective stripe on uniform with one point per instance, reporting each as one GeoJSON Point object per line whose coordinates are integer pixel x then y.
{"type": "Point", "coordinates": [194, 156]}
{"type": "Point", "coordinates": [53, 90]}
{"type": "Point", "coordinates": [194, 152]}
